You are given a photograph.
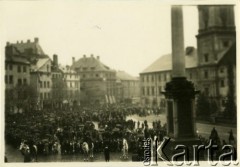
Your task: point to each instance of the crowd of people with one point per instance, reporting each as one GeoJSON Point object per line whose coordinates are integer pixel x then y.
{"type": "Point", "coordinates": [103, 129]}
{"type": "Point", "coordinates": [64, 131]}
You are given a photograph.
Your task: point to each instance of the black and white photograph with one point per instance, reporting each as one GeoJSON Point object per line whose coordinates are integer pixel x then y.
{"type": "Point", "coordinates": [111, 82]}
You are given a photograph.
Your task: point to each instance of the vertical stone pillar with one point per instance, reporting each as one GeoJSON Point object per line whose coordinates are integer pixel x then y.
{"type": "Point", "coordinates": [180, 95]}
{"type": "Point", "coordinates": [178, 59]}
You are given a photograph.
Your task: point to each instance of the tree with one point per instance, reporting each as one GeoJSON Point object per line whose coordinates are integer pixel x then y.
{"type": "Point", "coordinates": [59, 89]}
{"type": "Point", "coordinates": [203, 106]}
{"type": "Point", "coordinates": [21, 96]}
{"type": "Point", "coordinates": [230, 106]}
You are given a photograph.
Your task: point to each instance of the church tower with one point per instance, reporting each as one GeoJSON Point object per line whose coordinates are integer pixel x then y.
{"type": "Point", "coordinates": [216, 36]}
{"type": "Point", "coordinates": [216, 32]}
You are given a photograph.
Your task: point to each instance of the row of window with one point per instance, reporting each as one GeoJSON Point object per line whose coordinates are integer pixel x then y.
{"type": "Point", "coordinates": [151, 91]}
{"type": "Point", "coordinates": [20, 81]}
{"type": "Point", "coordinates": [45, 95]}
{"type": "Point", "coordinates": [56, 75]}
{"type": "Point", "coordinates": [20, 68]}
{"type": "Point", "coordinates": [71, 84]}
{"type": "Point", "coordinates": [44, 84]}
{"type": "Point", "coordinates": [148, 78]}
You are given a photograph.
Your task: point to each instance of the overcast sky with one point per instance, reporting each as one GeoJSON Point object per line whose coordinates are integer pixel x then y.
{"type": "Point", "coordinates": [127, 35]}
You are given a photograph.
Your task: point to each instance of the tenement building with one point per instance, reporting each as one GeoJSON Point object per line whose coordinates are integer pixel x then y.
{"type": "Point", "coordinates": [17, 79]}
{"type": "Point", "coordinates": [39, 70]}
{"type": "Point", "coordinates": [98, 81]}
{"type": "Point", "coordinates": [211, 67]}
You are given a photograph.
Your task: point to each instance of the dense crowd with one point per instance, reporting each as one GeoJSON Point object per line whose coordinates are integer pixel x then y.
{"type": "Point", "coordinates": [64, 131]}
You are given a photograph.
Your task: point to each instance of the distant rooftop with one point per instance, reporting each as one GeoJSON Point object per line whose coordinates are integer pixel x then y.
{"type": "Point", "coordinates": [66, 69]}
{"type": "Point", "coordinates": [90, 64]}
{"type": "Point", "coordinates": [164, 63]}
{"type": "Point", "coordinates": [122, 75]}
{"type": "Point", "coordinates": [28, 46]}
{"type": "Point", "coordinates": [40, 62]}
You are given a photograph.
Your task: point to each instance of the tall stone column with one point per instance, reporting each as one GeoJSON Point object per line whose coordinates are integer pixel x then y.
{"type": "Point", "coordinates": [179, 92]}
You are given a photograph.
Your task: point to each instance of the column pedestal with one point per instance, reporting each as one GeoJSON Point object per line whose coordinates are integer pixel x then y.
{"type": "Point", "coordinates": [181, 125]}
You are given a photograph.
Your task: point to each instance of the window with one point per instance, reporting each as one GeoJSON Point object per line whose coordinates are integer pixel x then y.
{"type": "Point", "coordinates": [159, 90]}
{"type": "Point", "coordinates": [45, 85]}
{"type": "Point", "coordinates": [148, 91]}
{"type": "Point", "coordinates": [147, 78]}
{"type": "Point", "coordinates": [19, 68]}
{"type": "Point", "coordinates": [152, 78]}
{"type": "Point", "coordinates": [97, 75]}
{"type": "Point", "coordinates": [92, 68]}
{"type": "Point", "coordinates": [70, 84]}
{"type": "Point", "coordinates": [205, 74]}
{"type": "Point", "coordinates": [6, 79]}
{"type": "Point", "coordinates": [153, 90]}
{"type": "Point", "coordinates": [159, 78]}
{"type": "Point", "coordinates": [41, 95]}
{"type": "Point", "coordinates": [84, 75]}
{"type": "Point", "coordinates": [25, 81]}
{"type": "Point", "coordinates": [19, 81]}
{"type": "Point", "coordinates": [143, 91]}
{"type": "Point", "coordinates": [76, 84]}
{"type": "Point", "coordinates": [10, 67]}
{"type": "Point", "coordinates": [40, 84]}
{"type": "Point", "coordinates": [142, 78]}
{"type": "Point", "coordinates": [10, 79]}
{"type": "Point", "coordinates": [24, 69]}
{"type": "Point", "coordinates": [48, 84]}
{"type": "Point", "coordinates": [190, 75]}
{"type": "Point", "coordinates": [222, 83]}
{"type": "Point", "coordinates": [47, 68]}
{"type": "Point", "coordinates": [165, 77]}
{"type": "Point", "coordinates": [221, 70]}
{"type": "Point", "coordinates": [45, 95]}
{"type": "Point", "coordinates": [70, 76]}
{"type": "Point", "coordinates": [6, 66]}
{"type": "Point", "coordinates": [206, 57]}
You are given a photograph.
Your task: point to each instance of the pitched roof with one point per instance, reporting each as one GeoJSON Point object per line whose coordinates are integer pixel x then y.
{"type": "Point", "coordinates": [164, 63]}
{"type": "Point", "coordinates": [66, 69]}
{"type": "Point", "coordinates": [17, 59]}
{"type": "Point", "coordinates": [228, 56]}
{"type": "Point", "coordinates": [34, 46]}
{"type": "Point", "coordinates": [39, 64]}
{"type": "Point", "coordinates": [90, 64]}
{"type": "Point", "coordinates": [122, 75]}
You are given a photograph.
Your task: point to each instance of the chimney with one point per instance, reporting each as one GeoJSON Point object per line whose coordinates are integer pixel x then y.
{"type": "Point", "coordinates": [17, 42]}
{"type": "Point", "coordinates": [92, 56]}
{"type": "Point", "coordinates": [73, 60]}
{"type": "Point", "coordinates": [28, 41]}
{"type": "Point", "coordinates": [55, 60]}
{"type": "Point", "coordinates": [189, 50]}
{"type": "Point", "coordinates": [36, 40]}
{"type": "Point", "coordinates": [84, 56]}
{"type": "Point", "coordinates": [98, 57]}
{"type": "Point", "coordinates": [8, 43]}
{"type": "Point", "coordinates": [21, 41]}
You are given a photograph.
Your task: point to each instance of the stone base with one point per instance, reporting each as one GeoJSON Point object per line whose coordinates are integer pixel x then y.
{"type": "Point", "coordinates": [186, 145]}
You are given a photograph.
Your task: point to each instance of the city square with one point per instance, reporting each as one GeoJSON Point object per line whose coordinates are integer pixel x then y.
{"type": "Point", "coordinates": [90, 111]}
